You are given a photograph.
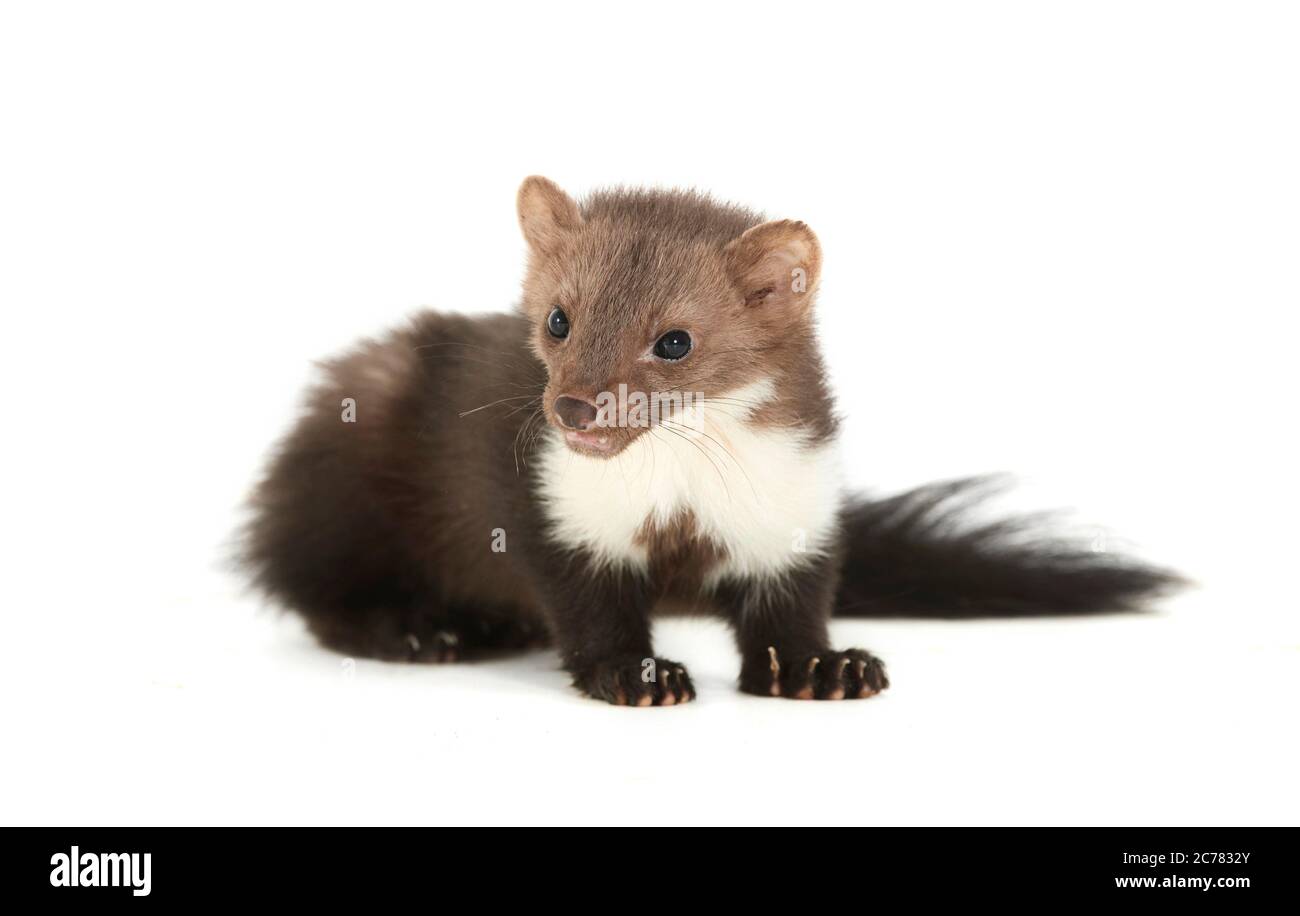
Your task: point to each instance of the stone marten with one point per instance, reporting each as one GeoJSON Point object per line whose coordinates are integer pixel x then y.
{"type": "Point", "coordinates": [650, 429]}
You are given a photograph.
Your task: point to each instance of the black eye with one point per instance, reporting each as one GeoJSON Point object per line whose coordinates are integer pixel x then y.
{"type": "Point", "coordinates": [673, 345]}
{"type": "Point", "coordinates": [558, 323]}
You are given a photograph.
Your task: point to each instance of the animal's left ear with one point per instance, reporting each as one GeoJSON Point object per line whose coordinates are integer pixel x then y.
{"type": "Point", "coordinates": [776, 264]}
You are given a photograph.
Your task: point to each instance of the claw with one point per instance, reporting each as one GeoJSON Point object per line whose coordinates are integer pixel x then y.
{"type": "Point", "coordinates": [837, 691]}
{"type": "Point", "coordinates": [621, 684]}
{"type": "Point", "coordinates": [807, 691]}
{"type": "Point", "coordinates": [447, 643]}
{"type": "Point", "coordinates": [865, 687]}
{"type": "Point", "coordinates": [776, 671]}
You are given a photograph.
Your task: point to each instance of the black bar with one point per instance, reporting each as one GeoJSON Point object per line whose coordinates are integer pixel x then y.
{"type": "Point", "coordinates": [1226, 866]}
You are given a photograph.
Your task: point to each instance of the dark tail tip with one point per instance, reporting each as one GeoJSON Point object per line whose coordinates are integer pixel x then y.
{"type": "Point", "coordinates": [919, 555]}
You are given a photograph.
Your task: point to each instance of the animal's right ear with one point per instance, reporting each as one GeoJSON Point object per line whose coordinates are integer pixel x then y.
{"type": "Point", "coordinates": [546, 214]}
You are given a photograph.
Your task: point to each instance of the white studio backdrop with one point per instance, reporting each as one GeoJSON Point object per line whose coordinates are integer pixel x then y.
{"type": "Point", "coordinates": [1060, 240]}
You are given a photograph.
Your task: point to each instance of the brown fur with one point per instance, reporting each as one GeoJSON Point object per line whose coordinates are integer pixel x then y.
{"type": "Point", "coordinates": [680, 558]}
{"type": "Point", "coordinates": [628, 266]}
{"type": "Point", "coordinates": [380, 532]}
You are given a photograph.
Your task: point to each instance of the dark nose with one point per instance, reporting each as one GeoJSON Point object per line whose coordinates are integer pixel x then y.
{"type": "Point", "coordinates": [575, 414]}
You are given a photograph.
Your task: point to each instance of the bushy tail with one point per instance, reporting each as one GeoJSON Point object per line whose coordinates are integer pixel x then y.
{"type": "Point", "coordinates": [917, 555]}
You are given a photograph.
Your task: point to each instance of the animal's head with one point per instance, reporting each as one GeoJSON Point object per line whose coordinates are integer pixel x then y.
{"type": "Point", "coordinates": [662, 293]}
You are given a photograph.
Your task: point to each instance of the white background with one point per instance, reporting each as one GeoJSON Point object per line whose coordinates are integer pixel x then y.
{"type": "Point", "coordinates": [1060, 239]}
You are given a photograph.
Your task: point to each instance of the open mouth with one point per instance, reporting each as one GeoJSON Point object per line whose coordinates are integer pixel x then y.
{"type": "Point", "coordinates": [589, 441]}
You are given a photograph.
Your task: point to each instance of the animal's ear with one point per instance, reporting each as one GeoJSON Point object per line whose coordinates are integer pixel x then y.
{"type": "Point", "coordinates": [546, 213]}
{"type": "Point", "coordinates": [776, 264]}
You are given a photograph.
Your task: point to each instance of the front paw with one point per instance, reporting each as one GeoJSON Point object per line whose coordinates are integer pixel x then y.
{"type": "Point", "coordinates": [636, 682]}
{"type": "Point", "coordinates": [828, 675]}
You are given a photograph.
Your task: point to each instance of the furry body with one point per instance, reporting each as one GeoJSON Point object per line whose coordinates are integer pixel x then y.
{"type": "Point", "coordinates": [461, 512]}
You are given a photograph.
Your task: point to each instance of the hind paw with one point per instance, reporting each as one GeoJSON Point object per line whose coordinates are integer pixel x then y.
{"type": "Point", "coordinates": [440, 646]}
{"type": "Point", "coordinates": [828, 675]}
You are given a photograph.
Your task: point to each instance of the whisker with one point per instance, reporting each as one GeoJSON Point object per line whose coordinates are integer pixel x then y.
{"type": "Point", "coordinates": [520, 397]}
{"type": "Point", "coordinates": [539, 427]}
{"type": "Point", "coordinates": [722, 477]}
{"type": "Point", "coordinates": [528, 421]}
{"type": "Point", "coordinates": [734, 460]}
{"type": "Point", "coordinates": [523, 406]}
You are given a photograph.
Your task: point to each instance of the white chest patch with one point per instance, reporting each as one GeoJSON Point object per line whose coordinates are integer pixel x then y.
{"type": "Point", "coordinates": [768, 497]}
